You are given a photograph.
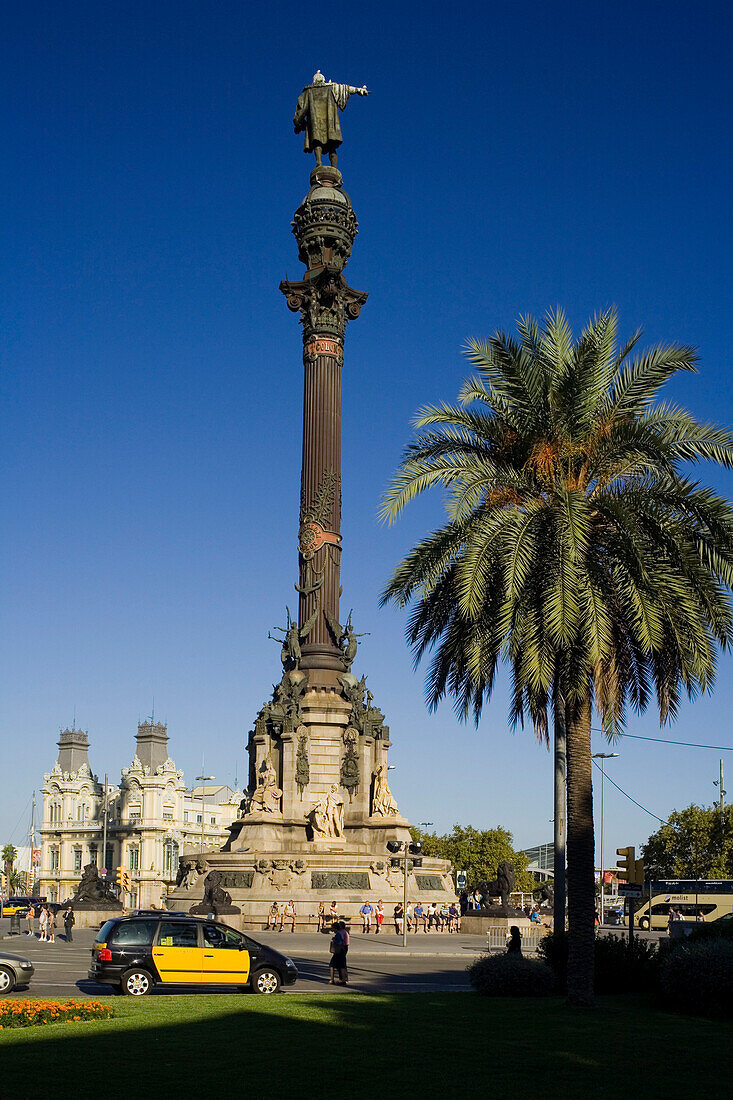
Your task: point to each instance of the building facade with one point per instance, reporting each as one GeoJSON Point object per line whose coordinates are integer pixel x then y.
{"type": "Point", "coordinates": [144, 823]}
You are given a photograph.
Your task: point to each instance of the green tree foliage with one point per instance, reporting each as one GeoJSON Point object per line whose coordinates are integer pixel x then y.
{"type": "Point", "coordinates": [9, 854]}
{"type": "Point", "coordinates": [695, 843]}
{"type": "Point", "coordinates": [477, 852]}
{"type": "Point", "coordinates": [576, 550]}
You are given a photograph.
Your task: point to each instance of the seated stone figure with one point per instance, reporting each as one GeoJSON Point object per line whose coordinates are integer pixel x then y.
{"type": "Point", "coordinates": [266, 796]}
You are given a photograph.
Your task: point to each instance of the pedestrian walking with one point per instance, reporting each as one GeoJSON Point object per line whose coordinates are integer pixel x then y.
{"type": "Point", "coordinates": [514, 942]}
{"type": "Point", "coordinates": [31, 916]}
{"type": "Point", "coordinates": [43, 923]}
{"type": "Point", "coordinates": [69, 922]}
{"type": "Point", "coordinates": [51, 925]}
{"type": "Point", "coordinates": [379, 917]}
{"type": "Point", "coordinates": [339, 946]}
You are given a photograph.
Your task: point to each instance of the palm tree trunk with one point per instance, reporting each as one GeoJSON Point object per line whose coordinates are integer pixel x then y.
{"type": "Point", "coordinates": [581, 852]}
{"type": "Point", "coordinates": [559, 822]}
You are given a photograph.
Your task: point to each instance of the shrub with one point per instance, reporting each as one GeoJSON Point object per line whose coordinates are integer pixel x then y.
{"type": "Point", "coordinates": [511, 976]}
{"type": "Point", "coordinates": [620, 967]}
{"type": "Point", "coordinates": [623, 967]}
{"type": "Point", "coordinates": [27, 1013]}
{"type": "Point", "coordinates": [697, 977]}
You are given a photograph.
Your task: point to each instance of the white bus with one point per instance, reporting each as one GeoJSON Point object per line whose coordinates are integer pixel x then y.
{"type": "Point", "coordinates": [704, 899]}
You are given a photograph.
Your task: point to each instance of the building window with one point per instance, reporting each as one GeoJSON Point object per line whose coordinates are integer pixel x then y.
{"type": "Point", "coordinates": [185, 815]}
{"type": "Point", "coordinates": [94, 854]}
{"type": "Point", "coordinates": [213, 821]}
{"type": "Point", "coordinates": [198, 819]}
{"type": "Point", "coordinates": [167, 816]}
{"type": "Point", "coordinates": [170, 859]}
{"type": "Point", "coordinates": [55, 813]}
{"type": "Point", "coordinates": [77, 859]}
{"type": "Point", "coordinates": [135, 811]}
{"type": "Point", "coordinates": [109, 858]}
{"type": "Point", "coordinates": [133, 857]}
{"type": "Point", "coordinates": [54, 857]}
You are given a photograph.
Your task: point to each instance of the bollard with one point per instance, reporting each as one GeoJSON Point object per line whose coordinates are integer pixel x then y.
{"type": "Point", "coordinates": [15, 923]}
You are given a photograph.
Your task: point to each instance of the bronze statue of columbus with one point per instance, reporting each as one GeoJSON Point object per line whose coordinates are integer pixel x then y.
{"type": "Point", "coordinates": [317, 114]}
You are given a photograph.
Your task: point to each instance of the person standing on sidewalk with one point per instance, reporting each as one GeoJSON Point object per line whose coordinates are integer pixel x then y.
{"type": "Point", "coordinates": [43, 923]}
{"type": "Point", "coordinates": [379, 917]}
{"type": "Point", "coordinates": [69, 921]}
{"type": "Point", "coordinates": [31, 916]}
{"type": "Point", "coordinates": [339, 949]}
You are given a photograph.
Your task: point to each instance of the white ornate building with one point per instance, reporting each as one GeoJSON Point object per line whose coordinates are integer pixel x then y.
{"type": "Point", "coordinates": [152, 818]}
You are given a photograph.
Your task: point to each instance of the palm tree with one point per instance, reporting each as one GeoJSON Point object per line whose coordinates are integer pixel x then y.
{"type": "Point", "coordinates": [575, 551]}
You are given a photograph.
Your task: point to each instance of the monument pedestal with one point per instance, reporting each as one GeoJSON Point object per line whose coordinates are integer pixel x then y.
{"type": "Point", "coordinates": [89, 915]}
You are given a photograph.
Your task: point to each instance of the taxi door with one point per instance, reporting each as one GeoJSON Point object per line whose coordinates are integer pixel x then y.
{"type": "Point", "coordinates": [225, 955]}
{"type": "Point", "coordinates": [177, 952]}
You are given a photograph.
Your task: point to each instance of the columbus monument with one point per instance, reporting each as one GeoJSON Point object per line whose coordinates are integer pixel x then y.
{"type": "Point", "coordinates": [318, 812]}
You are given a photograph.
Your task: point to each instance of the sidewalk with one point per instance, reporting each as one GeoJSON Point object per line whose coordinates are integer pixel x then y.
{"type": "Point", "coordinates": [385, 945]}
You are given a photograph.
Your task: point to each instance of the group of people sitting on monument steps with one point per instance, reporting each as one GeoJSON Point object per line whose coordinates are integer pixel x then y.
{"type": "Point", "coordinates": [429, 917]}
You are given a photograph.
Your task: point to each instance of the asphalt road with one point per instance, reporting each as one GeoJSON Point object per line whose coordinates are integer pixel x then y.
{"type": "Point", "coordinates": [427, 966]}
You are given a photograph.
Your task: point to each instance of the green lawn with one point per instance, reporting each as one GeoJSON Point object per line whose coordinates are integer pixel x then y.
{"type": "Point", "coordinates": [387, 1044]}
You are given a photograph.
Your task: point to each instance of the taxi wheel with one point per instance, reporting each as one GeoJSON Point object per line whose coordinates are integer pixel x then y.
{"type": "Point", "coordinates": [266, 981]}
{"type": "Point", "coordinates": [7, 980]}
{"type": "Point", "coordinates": [137, 983]}
{"type": "Point", "coordinates": [644, 924]}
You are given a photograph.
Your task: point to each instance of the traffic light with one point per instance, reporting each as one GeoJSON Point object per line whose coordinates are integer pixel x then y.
{"type": "Point", "coordinates": [415, 849]}
{"type": "Point", "coordinates": [630, 869]}
{"type": "Point", "coordinates": [627, 866]}
{"type": "Point", "coordinates": [124, 878]}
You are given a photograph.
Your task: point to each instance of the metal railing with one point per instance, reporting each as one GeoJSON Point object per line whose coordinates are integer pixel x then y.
{"type": "Point", "coordinates": [496, 939]}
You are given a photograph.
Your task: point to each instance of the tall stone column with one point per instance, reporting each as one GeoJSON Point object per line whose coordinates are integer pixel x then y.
{"type": "Point", "coordinates": [325, 228]}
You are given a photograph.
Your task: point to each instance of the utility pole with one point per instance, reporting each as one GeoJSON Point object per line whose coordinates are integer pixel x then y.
{"type": "Point", "coordinates": [104, 826]}
{"type": "Point", "coordinates": [603, 757]}
{"type": "Point", "coordinates": [721, 803]}
{"type": "Point", "coordinates": [33, 845]}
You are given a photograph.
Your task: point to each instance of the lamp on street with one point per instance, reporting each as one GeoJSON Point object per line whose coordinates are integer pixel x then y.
{"type": "Point", "coordinates": [603, 757]}
{"type": "Point", "coordinates": [203, 779]}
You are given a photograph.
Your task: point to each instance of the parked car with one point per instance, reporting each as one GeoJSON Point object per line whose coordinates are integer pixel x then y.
{"type": "Point", "coordinates": [137, 953]}
{"type": "Point", "coordinates": [14, 971]}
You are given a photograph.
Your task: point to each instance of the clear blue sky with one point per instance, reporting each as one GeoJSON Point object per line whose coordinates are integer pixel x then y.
{"type": "Point", "coordinates": [510, 158]}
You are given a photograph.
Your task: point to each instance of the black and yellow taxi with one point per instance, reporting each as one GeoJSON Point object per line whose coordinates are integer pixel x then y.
{"type": "Point", "coordinates": [139, 952]}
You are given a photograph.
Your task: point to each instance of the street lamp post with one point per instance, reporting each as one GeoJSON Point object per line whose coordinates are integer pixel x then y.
{"type": "Point", "coordinates": [603, 757]}
{"type": "Point", "coordinates": [204, 779]}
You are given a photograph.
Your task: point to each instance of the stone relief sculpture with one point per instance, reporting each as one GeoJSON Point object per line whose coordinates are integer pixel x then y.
{"type": "Point", "coordinates": [383, 803]}
{"type": "Point", "coordinates": [350, 769]}
{"type": "Point", "coordinates": [302, 765]}
{"type": "Point", "coordinates": [267, 795]}
{"type": "Point", "coordinates": [190, 871]}
{"type": "Point", "coordinates": [317, 114]}
{"type": "Point", "coordinates": [281, 872]}
{"type": "Point", "coordinates": [327, 816]}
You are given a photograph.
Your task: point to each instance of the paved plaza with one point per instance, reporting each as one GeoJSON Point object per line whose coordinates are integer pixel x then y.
{"type": "Point", "coordinates": [376, 963]}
